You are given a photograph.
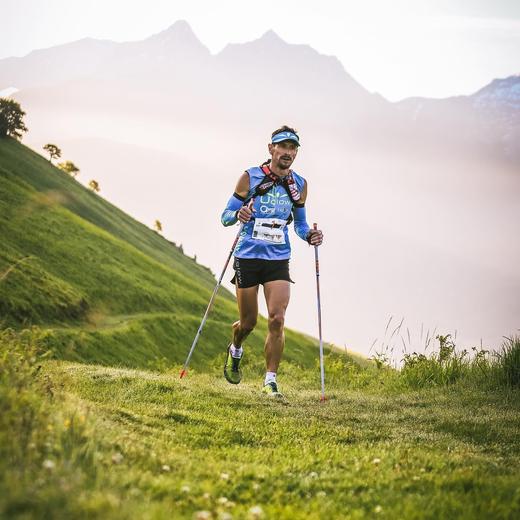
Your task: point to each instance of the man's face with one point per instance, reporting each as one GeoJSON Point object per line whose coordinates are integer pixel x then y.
{"type": "Point", "coordinates": [283, 154]}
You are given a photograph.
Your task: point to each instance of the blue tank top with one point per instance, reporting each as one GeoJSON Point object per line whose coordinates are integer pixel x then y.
{"type": "Point", "coordinates": [266, 236]}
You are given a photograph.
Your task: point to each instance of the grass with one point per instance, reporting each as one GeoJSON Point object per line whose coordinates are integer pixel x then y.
{"type": "Point", "coordinates": [91, 441]}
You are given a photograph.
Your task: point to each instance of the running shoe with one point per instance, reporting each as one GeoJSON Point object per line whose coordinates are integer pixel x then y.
{"type": "Point", "coordinates": [271, 389]}
{"type": "Point", "coordinates": [232, 370]}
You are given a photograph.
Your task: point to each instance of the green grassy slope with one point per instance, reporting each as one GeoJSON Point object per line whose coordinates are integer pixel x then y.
{"type": "Point", "coordinates": [104, 287]}
{"type": "Point", "coordinates": [139, 444]}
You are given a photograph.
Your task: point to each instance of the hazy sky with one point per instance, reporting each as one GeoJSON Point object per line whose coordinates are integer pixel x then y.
{"type": "Point", "coordinates": [433, 48]}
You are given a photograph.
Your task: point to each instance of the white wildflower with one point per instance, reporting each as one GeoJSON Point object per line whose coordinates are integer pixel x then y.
{"type": "Point", "coordinates": [117, 458]}
{"type": "Point", "coordinates": [49, 464]}
{"type": "Point", "coordinates": [256, 512]}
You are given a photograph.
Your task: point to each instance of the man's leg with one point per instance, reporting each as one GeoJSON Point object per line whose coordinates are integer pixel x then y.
{"type": "Point", "coordinates": [277, 295]}
{"type": "Point", "coordinates": [248, 311]}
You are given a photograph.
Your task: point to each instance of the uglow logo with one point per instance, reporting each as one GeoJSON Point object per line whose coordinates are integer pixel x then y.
{"type": "Point", "coordinates": [271, 202]}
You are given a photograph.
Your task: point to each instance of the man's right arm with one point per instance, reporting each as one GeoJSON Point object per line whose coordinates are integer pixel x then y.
{"type": "Point", "coordinates": [235, 206]}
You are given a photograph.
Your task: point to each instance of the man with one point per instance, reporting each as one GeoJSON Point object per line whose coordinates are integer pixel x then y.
{"type": "Point", "coordinates": [266, 199]}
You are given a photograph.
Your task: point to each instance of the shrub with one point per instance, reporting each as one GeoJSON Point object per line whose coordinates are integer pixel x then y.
{"type": "Point", "coordinates": [439, 369]}
{"type": "Point", "coordinates": [507, 362]}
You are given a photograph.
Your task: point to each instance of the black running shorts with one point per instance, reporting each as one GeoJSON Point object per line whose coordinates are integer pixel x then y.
{"type": "Point", "coordinates": [250, 272]}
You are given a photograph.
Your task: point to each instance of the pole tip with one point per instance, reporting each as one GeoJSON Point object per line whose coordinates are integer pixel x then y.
{"type": "Point", "coordinates": [322, 398]}
{"type": "Point", "coordinates": [183, 373]}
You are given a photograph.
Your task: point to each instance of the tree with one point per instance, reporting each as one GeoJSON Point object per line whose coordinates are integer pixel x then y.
{"type": "Point", "coordinates": [69, 167]}
{"type": "Point", "coordinates": [11, 119]}
{"type": "Point", "coordinates": [157, 226]}
{"type": "Point", "coordinates": [53, 151]}
{"type": "Point", "coordinates": [94, 185]}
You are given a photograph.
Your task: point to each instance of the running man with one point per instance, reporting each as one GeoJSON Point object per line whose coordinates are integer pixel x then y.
{"type": "Point", "coordinates": [266, 199]}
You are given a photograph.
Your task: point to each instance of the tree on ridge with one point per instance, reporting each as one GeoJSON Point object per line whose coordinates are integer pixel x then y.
{"type": "Point", "coordinates": [69, 167]}
{"type": "Point", "coordinates": [53, 151]}
{"type": "Point", "coordinates": [11, 119]}
{"type": "Point", "coordinates": [94, 186]}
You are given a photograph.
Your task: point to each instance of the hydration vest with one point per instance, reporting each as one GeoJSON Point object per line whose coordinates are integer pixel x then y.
{"type": "Point", "coordinates": [270, 180]}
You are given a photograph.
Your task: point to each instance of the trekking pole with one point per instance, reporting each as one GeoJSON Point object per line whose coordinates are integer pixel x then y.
{"type": "Point", "coordinates": [322, 368]}
{"type": "Point", "coordinates": [199, 332]}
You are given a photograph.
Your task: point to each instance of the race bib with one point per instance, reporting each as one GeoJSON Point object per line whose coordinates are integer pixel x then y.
{"type": "Point", "coordinates": [269, 230]}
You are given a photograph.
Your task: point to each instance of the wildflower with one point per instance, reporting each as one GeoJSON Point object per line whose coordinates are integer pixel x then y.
{"type": "Point", "coordinates": [66, 423]}
{"type": "Point", "coordinates": [321, 494]}
{"type": "Point", "coordinates": [313, 474]}
{"type": "Point", "coordinates": [49, 464]}
{"type": "Point", "coordinates": [117, 458]}
{"type": "Point", "coordinates": [224, 516]}
{"type": "Point", "coordinates": [376, 461]}
{"type": "Point", "coordinates": [165, 468]}
{"type": "Point", "coordinates": [206, 496]}
{"type": "Point", "coordinates": [378, 509]}
{"type": "Point", "coordinates": [256, 512]}
{"type": "Point", "coordinates": [222, 500]}
{"type": "Point", "coordinates": [256, 486]}
{"type": "Point", "coordinates": [202, 515]}
{"type": "Point", "coordinates": [185, 489]}
{"type": "Point", "coordinates": [224, 476]}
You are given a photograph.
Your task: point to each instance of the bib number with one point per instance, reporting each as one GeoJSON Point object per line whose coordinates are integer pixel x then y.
{"type": "Point", "coordinates": [269, 230]}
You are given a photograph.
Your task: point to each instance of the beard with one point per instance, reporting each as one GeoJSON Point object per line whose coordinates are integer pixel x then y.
{"type": "Point", "coordinates": [284, 163]}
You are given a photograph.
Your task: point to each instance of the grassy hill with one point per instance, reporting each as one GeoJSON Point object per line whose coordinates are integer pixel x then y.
{"type": "Point", "coordinates": [89, 441]}
{"type": "Point", "coordinates": [103, 286]}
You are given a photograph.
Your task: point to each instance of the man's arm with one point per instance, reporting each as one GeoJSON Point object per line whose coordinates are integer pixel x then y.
{"type": "Point", "coordinates": [302, 229]}
{"type": "Point", "coordinates": [235, 209]}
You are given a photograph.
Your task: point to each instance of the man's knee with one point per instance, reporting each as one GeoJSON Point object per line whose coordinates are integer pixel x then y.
{"type": "Point", "coordinates": [276, 321]}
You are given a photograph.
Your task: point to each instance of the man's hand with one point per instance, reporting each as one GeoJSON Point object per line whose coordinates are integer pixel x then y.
{"type": "Point", "coordinates": [315, 237]}
{"type": "Point", "coordinates": [244, 214]}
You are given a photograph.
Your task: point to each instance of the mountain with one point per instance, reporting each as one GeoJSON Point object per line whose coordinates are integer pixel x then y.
{"type": "Point", "coordinates": [101, 286]}
{"type": "Point", "coordinates": [500, 94]}
{"type": "Point", "coordinates": [490, 117]}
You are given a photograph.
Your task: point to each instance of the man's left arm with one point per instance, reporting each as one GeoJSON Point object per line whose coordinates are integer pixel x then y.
{"type": "Point", "coordinates": [301, 227]}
